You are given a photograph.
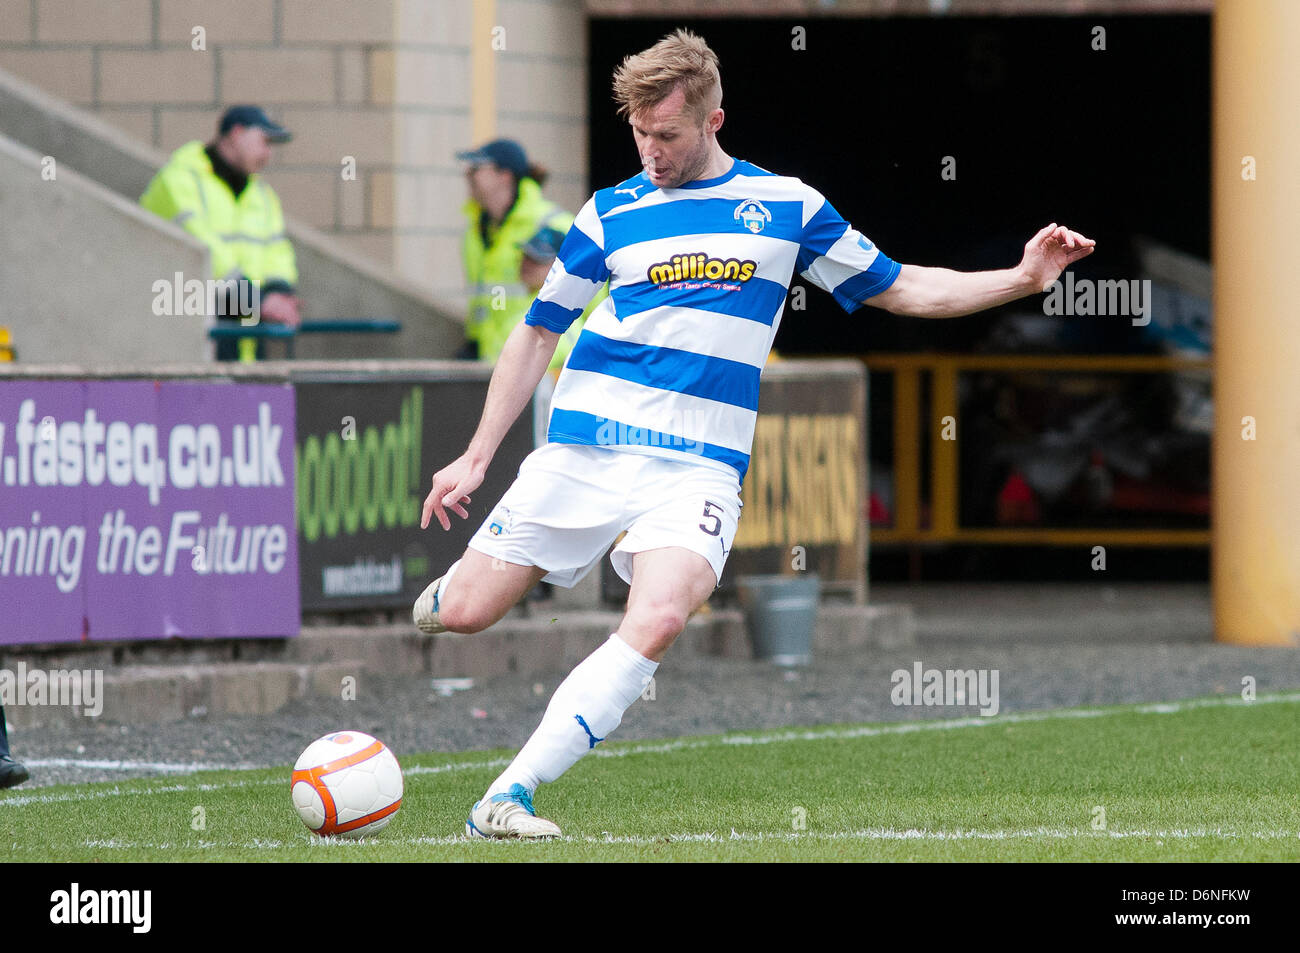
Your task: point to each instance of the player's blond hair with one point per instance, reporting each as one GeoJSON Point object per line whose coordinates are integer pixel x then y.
{"type": "Point", "coordinates": [680, 59]}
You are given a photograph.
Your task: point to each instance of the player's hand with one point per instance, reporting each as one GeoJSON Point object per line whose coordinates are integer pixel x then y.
{"type": "Point", "coordinates": [1049, 252]}
{"type": "Point", "coordinates": [452, 486]}
{"type": "Point", "coordinates": [281, 308]}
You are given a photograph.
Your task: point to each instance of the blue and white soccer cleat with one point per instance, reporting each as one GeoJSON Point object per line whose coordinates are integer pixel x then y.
{"type": "Point", "coordinates": [425, 613]}
{"type": "Point", "coordinates": [509, 815]}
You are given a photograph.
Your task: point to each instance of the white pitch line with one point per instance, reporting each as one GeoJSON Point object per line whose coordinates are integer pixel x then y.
{"type": "Point", "coordinates": [23, 799]}
{"type": "Point", "coordinates": [162, 767]}
{"type": "Point", "coordinates": [876, 834]}
{"type": "Point", "coordinates": [668, 747]}
{"type": "Point", "coordinates": [709, 837]}
{"type": "Point", "coordinates": [903, 728]}
{"type": "Point", "coordinates": [455, 766]}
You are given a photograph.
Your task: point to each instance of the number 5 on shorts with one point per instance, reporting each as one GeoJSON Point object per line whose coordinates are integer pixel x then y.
{"type": "Point", "coordinates": [717, 520]}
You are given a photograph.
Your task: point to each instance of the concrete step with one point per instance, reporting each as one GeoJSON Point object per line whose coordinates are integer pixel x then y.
{"type": "Point", "coordinates": [156, 682]}
{"type": "Point", "coordinates": [547, 641]}
{"type": "Point", "coordinates": [155, 694]}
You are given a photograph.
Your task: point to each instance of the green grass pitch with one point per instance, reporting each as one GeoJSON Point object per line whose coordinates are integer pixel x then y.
{"type": "Point", "coordinates": [1205, 780]}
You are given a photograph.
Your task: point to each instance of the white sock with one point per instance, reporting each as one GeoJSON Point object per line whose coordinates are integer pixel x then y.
{"type": "Point", "coordinates": [446, 578]}
{"type": "Point", "coordinates": [598, 691]}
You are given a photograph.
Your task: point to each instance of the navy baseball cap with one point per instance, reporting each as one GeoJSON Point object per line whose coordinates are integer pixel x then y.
{"type": "Point", "coordinates": [506, 153]}
{"type": "Point", "coordinates": [253, 116]}
{"type": "Point", "coordinates": [545, 245]}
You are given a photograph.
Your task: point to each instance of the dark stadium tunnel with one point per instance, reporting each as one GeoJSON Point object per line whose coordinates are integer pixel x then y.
{"type": "Point", "coordinates": [1042, 127]}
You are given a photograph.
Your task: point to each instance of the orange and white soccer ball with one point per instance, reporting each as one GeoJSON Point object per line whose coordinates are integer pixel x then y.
{"type": "Point", "coordinates": [346, 784]}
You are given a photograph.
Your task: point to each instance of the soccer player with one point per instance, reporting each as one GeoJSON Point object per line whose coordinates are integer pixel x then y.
{"type": "Point", "coordinates": [653, 415]}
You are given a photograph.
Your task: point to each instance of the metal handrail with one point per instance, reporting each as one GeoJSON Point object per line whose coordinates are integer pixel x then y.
{"type": "Point", "coordinates": [287, 334]}
{"type": "Point", "coordinates": [944, 524]}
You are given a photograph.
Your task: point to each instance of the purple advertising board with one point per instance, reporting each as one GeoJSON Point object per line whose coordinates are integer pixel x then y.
{"type": "Point", "coordinates": [146, 510]}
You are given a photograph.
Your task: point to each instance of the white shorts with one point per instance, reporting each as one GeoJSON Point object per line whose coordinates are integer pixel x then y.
{"type": "Point", "coordinates": [571, 501]}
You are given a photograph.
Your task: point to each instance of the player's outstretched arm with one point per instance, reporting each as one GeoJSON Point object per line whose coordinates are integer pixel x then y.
{"type": "Point", "coordinates": [523, 361]}
{"type": "Point", "coordinates": [941, 293]}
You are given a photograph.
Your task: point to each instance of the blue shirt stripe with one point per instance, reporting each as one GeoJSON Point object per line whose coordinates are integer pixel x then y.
{"type": "Point", "coordinates": [757, 300]}
{"type": "Point", "coordinates": [699, 375]}
{"type": "Point", "coordinates": [689, 216]}
{"type": "Point", "coordinates": [823, 230]}
{"type": "Point", "coordinates": [582, 257]}
{"type": "Point", "coordinates": [851, 292]}
{"type": "Point", "coordinates": [575, 426]}
{"type": "Point", "coordinates": [626, 191]}
{"type": "Point", "coordinates": [551, 316]}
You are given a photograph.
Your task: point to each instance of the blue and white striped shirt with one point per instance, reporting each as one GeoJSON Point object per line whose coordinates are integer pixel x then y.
{"type": "Point", "coordinates": [669, 363]}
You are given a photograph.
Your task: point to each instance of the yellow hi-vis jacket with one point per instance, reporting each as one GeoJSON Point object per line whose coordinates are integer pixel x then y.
{"type": "Point", "coordinates": [245, 234]}
{"type": "Point", "coordinates": [498, 298]}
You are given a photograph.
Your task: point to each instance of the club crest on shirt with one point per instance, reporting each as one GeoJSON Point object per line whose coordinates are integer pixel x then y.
{"type": "Point", "coordinates": [752, 214]}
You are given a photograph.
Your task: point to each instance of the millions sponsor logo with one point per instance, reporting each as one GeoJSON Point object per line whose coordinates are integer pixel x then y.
{"type": "Point", "coordinates": [698, 266]}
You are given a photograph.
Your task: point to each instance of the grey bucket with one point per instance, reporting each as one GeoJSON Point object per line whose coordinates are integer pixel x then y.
{"type": "Point", "coordinates": [780, 613]}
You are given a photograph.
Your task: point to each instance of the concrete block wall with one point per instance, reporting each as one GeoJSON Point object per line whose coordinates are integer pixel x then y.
{"type": "Point", "coordinates": [386, 82]}
{"type": "Point", "coordinates": [539, 92]}
{"type": "Point", "coordinates": [335, 281]}
{"type": "Point", "coordinates": [58, 223]}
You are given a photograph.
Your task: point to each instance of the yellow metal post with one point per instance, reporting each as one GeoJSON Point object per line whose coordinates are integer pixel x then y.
{"type": "Point", "coordinates": [907, 453]}
{"type": "Point", "coordinates": [944, 435]}
{"type": "Point", "coordinates": [1256, 203]}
